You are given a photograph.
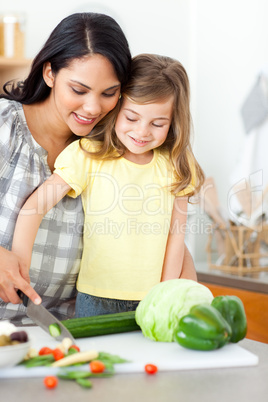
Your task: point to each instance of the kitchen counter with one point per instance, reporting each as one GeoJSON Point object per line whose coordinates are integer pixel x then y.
{"type": "Point", "coordinates": [254, 282]}
{"type": "Point", "coordinates": [245, 384]}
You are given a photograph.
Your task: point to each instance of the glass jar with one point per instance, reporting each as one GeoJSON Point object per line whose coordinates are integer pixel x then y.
{"type": "Point", "coordinates": [12, 35]}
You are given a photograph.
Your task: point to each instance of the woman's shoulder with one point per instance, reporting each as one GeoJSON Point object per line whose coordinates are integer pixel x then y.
{"type": "Point", "coordinates": [9, 110]}
{"type": "Point", "coordinates": [11, 121]}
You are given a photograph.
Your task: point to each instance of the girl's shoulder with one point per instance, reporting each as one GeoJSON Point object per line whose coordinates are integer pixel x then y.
{"type": "Point", "coordinates": [77, 151]}
{"type": "Point", "coordinates": [81, 147]}
{"type": "Point", "coordinates": [163, 158]}
{"type": "Point", "coordinates": [90, 145]}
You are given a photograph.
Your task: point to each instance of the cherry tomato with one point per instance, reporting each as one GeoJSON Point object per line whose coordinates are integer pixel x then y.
{"type": "Point", "coordinates": [96, 366]}
{"type": "Point", "coordinates": [150, 369]}
{"type": "Point", "coordinates": [45, 351]}
{"type": "Point", "coordinates": [75, 347]}
{"type": "Point", "coordinates": [58, 354]}
{"type": "Point", "coordinates": [50, 382]}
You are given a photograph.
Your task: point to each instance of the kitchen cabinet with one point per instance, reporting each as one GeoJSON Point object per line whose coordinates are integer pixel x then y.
{"type": "Point", "coordinates": [256, 307]}
{"type": "Point", "coordinates": [13, 69]}
{"type": "Point", "coordinates": [252, 289]}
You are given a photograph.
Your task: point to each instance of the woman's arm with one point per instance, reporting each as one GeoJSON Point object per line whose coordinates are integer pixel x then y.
{"type": "Point", "coordinates": [29, 219]}
{"type": "Point", "coordinates": [174, 256]}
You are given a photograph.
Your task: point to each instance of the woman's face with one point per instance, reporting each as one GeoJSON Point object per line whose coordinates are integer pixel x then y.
{"type": "Point", "coordinates": [82, 94]}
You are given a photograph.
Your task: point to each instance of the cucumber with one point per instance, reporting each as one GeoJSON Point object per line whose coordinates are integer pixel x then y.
{"type": "Point", "coordinates": [102, 324]}
{"type": "Point", "coordinates": [54, 330]}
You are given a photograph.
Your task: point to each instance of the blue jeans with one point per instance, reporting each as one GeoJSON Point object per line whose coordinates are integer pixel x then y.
{"type": "Point", "coordinates": [87, 305]}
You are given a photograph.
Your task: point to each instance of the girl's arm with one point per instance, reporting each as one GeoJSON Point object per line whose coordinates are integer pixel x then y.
{"type": "Point", "coordinates": [174, 256]}
{"type": "Point", "coordinates": [30, 217]}
{"type": "Point", "coordinates": [188, 268]}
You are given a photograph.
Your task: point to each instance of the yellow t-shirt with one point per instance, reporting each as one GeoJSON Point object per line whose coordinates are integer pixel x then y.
{"type": "Point", "coordinates": [127, 217]}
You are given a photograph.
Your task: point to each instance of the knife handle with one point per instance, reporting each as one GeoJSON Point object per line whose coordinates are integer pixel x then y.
{"type": "Point", "coordinates": [23, 297]}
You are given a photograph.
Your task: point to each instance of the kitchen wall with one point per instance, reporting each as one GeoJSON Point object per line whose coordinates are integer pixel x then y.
{"type": "Point", "coordinates": [223, 45]}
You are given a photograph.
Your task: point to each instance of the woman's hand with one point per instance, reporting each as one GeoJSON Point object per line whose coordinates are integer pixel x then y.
{"type": "Point", "coordinates": [14, 275]}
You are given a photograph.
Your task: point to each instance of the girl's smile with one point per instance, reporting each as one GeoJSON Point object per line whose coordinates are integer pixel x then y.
{"type": "Point", "coordinates": [139, 143]}
{"type": "Point", "coordinates": [143, 127]}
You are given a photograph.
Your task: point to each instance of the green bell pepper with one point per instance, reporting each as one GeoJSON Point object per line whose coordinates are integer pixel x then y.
{"type": "Point", "coordinates": [203, 328]}
{"type": "Point", "coordinates": [232, 309]}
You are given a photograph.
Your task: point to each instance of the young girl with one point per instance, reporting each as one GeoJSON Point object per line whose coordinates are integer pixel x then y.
{"type": "Point", "coordinates": [135, 179]}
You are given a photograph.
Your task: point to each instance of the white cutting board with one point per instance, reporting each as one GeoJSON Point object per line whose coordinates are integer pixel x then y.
{"type": "Point", "coordinates": [139, 350]}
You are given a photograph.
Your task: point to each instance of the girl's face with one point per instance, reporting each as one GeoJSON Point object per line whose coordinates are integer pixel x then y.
{"type": "Point", "coordinates": [82, 94]}
{"type": "Point", "coordinates": [143, 127]}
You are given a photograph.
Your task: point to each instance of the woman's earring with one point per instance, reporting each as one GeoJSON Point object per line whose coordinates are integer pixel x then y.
{"type": "Point", "coordinates": [120, 96]}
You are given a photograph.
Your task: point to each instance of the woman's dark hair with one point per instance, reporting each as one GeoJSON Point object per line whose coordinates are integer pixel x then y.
{"type": "Point", "coordinates": [76, 36]}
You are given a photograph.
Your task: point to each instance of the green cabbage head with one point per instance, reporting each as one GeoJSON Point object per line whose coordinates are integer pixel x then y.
{"type": "Point", "coordinates": [159, 312]}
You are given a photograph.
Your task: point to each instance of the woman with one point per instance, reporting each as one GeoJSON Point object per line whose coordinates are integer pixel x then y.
{"type": "Point", "coordinates": [74, 82]}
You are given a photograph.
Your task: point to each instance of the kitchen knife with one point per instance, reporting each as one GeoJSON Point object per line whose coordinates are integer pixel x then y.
{"type": "Point", "coordinates": [42, 317]}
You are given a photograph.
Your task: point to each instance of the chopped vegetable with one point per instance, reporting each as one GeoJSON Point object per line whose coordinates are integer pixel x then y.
{"type": "Point", "coordinates": [97, 366]}
{"type": "Point", "coordinates": [74, 347]}
{"type": "Point", "coordinates": [58, 354]}
{"type": "Point", "coordinates": [150, 368]}
{"type": "Point", "coordinates": [203, 328]}
{"type": "Point", "coordinates": [54, 330]}
{"type": "Point", "coordinates": [159, 312]}
{"type": "Point", "coordinates": [50, 382]}
{"type": "Point", "coordinates": [19, 336]}
{"type": "Point", "coordinates": [232, 309]}
{"type": "Point", "coordinates": [13, 338]}
{"type": "Point", "coordinates": [84, 382]}
{"type": "Point", "coordinates": [6, 328]}
{"type": "Point", "coordinates": [74, 375]}
{"type": "Point", "coordinates": [45, 351]}
{"type": "Point", "coordinates": [109, 358]}
{"type": "Point", "coordinates": [80, 357]}
{"type": "Point", "coordinates": [43, 360]}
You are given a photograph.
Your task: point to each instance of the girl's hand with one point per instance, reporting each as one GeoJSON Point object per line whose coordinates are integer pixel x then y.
{"type": "Point", "coordinates": [14, 275]}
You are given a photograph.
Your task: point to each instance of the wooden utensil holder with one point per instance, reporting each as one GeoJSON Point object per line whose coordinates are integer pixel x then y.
{"type": "Point", "coordinates": [242, 251]}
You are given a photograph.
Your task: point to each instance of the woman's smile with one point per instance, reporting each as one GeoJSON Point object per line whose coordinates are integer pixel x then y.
{"type": "Point", "coordinates": [84, 120]}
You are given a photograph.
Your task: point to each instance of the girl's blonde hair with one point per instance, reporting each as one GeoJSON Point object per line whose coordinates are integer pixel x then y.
{"type": "Point", "coordinates": [154, 78]}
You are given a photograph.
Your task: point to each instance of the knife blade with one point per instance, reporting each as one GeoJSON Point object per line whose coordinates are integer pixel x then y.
{"type": "Point", "coordinates": [42, 317]}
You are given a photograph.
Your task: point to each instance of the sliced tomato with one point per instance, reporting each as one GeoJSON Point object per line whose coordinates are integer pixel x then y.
{"type": "Point", "coordinates": [150, 368]}
{"type": "Point", "coordinates": [58, 354]}
{"type": "Point", "coordinates": [50, 382]}
{"type": "Point", "coordinates": [96, 366]}
{"type": "Point", "coordinates": [45, 351]}
{"type": "Point", "coordinates": [75, 347]}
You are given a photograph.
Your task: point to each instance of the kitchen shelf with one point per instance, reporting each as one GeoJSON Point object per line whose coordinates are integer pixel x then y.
{"type": "Point", "coordinates": [14, 62]}
{"type": "Point", "coordinates": [13, 68]}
